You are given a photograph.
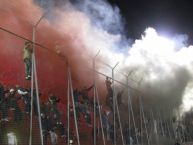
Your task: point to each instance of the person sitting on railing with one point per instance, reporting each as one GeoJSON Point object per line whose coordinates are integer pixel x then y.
{"type": "Point", "coordinates": [27, 56]}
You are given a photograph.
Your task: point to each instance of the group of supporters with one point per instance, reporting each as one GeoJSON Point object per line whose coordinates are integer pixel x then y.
{"type": "Point", "coordinates": [19, 100]}
{"type": "Point", "coordinates": [13, 99]}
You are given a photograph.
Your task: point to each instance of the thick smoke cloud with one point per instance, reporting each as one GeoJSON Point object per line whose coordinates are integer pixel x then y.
{"type": "Point", "coordinates": [165, 66]}
{"type": "Point", "coordinates": [78, 30]}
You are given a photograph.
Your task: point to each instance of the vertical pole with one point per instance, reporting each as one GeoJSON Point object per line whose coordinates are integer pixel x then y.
{"type": "Point", "coordinates": [162, 129]}
{"type": "Point", "coordinates": [73, 104]}
{"type": "Point", "coordinates": [32, 87]}
{"type": "Point", "coordinates": [141, 119]}
{"type": "Point", "coordinates": [104, 143]}
{"type": "Point", "coordinates": [34, 77]}
{"type": "Point", "coordinates": [129, 111]}
{"type": "Point", "coordinates": [36, 86]}
{"type": "Point", "coordinates": [120, 124]}
{"type": "Point", "coordinates": [147, 135]}
{"type": "Point", "coordinates": [155, 127]}
{"type": "Point", "coordinates": [131, 106]}
{"type": "Point", "coordinates": [144, 119]}
{"type": "Point", "coordinates": [171, 122]}
{"type": "Point", "coordinates": [68, 107]}
{"type": "Point", "coordinates": [169, 133]}
{"type": "Point", "coordinates": [94, 78]}
{"type": "Point", "coordinates": [94, 127]}
{"type": "Point", "coordinates": [114, 104]}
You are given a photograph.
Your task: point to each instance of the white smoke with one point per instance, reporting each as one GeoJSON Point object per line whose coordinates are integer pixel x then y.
{"type": "Point", "coordinates": [165, 64]}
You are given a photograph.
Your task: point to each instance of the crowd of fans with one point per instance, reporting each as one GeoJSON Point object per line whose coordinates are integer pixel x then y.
{"type": "Point", "coordinates": [11, 99]}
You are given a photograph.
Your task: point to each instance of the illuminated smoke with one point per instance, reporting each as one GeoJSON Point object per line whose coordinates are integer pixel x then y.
{"type": "Point", "coordinates": [79, 30]}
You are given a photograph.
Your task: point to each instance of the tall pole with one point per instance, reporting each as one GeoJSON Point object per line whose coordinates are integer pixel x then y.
{"type": "Point", "coordinates": [32, 94]}
{"type": "Point", "coordinates": [97, 96]}
{"type": "Point", "coordinates": [94, 78]}
{"type": "Point", "coordinates": [73, 104]}
{"type": "Point", "coordinates": [114, 103]}
{"type": "Point", "coordinates": [141, 119]}
{"type": "Point", "coordinates": [162, 129]}
{"type": "Point", "coordinates": [120, 124]}
{"type": "Point", "coordinates": [129, 111]}
{"type": "Point", "coordinates": [68, 107]}
{"type": "Point", "coordinates": [132, 113]}
{"type": "Point", "coordinates": [144, 119]}
{"type": "Point", "coordinates": [171, 122]}
{"type": "Point", "coordinates": [38, 103]}
{"type": "Point", "coordinates": [155, 127]}
{"type": "Point", "coordinates": [130, 108]}
{"type": "Point", "coordinates": [34, 78]}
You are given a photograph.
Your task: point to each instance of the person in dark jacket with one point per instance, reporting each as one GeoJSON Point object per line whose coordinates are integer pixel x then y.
{"type": "Point", "coordinates": [1, 92]}
{"type": "Point", "coordinates": [13, 104]}
{"type": "Point", "coordinates": [84, 93]}
{"type": "Point", "coordinates": [53, 101]}
{"type": "Point", "coordinates": [4, 108]}
{"type": "Point", "coordinates": [25, 95]}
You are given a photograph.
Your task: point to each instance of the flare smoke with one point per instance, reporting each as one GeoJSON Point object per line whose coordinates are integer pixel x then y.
{"type": "Point", "coordinates": [79, 30]}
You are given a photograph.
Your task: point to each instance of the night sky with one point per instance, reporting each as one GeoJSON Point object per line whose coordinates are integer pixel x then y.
{"type": "Point", "coordinates": [168, 17]}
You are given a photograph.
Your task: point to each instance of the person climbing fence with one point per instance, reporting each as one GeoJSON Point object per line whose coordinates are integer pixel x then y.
{"type": "Point", "coordinates": [27, 56]}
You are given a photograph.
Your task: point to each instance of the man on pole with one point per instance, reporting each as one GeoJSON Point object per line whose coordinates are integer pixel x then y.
{"type": "Point", "coordinates": [27, 56]}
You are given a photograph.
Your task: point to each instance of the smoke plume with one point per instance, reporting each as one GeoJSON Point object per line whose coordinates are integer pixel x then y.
{"type": "Point", "coordinates": [77, 30]}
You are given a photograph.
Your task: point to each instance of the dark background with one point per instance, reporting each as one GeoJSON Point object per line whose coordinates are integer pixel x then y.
{"type": "Point", "coordinates": [169, 17]}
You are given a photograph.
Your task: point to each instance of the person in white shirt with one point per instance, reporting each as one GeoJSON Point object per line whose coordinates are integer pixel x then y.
{"type": "Point", "coordinates": [53, 137]}
{"type": "Point", "coordinates": [12, 140]}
